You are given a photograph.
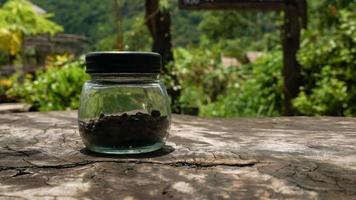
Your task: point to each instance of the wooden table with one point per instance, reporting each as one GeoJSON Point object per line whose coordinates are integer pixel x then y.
{"type": "Point", "coordinates": [42, 157]}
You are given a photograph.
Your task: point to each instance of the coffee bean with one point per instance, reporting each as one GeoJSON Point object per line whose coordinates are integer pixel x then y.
{"type": "Point", "coordinates": [101, 115]}
{"type": "Point", "coordinates": [125, 130]}
{"type": "Point", "coordinates": [155, 113]}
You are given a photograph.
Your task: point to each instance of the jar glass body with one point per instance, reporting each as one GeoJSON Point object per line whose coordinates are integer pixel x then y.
{"type": "Point", "coordinates": [124, 113]}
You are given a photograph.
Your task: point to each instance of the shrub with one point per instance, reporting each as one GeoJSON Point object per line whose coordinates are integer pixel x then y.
{"type": "Point", "coordinates": [201, 75]}
{"type": "Point", "coordinates": [329, 61]}
{"type": "Point", "coordinates": [57, 87]}
{"type": "Point", "coordinates": [217, 90]}
{"type": "Point", "coordinates": [5, 85]}
{"type": "Point", "coordinates": [259, 93]}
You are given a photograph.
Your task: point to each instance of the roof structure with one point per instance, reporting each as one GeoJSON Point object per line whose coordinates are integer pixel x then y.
{"type": "Point", "coordinates": [38, 9]}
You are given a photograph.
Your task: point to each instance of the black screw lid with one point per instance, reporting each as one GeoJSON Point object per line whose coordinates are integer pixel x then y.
{"type": "Point", "coordinates": [123, 62]}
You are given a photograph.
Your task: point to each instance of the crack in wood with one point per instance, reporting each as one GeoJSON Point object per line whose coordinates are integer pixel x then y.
{"type": "Point", "coordinates": [213, 155]}
{"type": "Point", "coordinates": [166, 192]}
{"type": "Point", "coordinates": [87, 162]}
{"type": "Point", "coordinates": [16, 151]}
{"type": "Point", "coordinates": [21, 172]}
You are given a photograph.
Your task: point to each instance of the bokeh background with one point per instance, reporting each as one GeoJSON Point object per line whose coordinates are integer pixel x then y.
{"type": "Point", "coordinates": [219, 63]}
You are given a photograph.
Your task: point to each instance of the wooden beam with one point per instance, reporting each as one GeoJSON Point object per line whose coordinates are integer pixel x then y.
{"type": "Point", "coordinates": [263, 5]}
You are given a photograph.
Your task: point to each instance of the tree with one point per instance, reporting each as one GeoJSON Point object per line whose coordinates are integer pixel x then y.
{"type": "Point", "coordinates": [118, 8]}
{"type": "Point", "coordinates": [158, 21]}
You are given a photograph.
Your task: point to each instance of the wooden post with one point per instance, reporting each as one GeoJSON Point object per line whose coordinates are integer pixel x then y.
{"type": "Point", "coordinates": [159, 24]}
{"type": "Point", "coordinates": [291, 41]}
{"type": "Point", "coordinates": [295, 18]}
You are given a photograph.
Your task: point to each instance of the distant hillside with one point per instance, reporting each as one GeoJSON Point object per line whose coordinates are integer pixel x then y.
{"type": "Point", "coordinates": [234, 31]}
{"type": "Point", "coordinates": [95, 19]}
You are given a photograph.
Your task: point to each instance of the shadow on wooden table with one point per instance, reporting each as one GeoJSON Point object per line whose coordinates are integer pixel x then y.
{"type": "Point", "coordinates": [165, 150]}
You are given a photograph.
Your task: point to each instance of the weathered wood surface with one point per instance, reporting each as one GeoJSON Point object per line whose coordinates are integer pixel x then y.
{"type": "Point", "coordinates": [14, 107]}
{"type": "Point", "coordinates": [42, 157]}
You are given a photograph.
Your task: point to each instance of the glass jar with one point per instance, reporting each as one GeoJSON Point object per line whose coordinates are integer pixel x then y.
{"type": "Point", "coordinates": [124, 108]}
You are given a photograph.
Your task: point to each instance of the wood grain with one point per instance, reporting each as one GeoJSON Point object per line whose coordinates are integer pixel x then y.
{"type": "Point", "coordinates": [42, 157]}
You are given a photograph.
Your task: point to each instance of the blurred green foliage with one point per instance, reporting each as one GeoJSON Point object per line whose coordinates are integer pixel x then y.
{"type": "Point", "coordinates": [257, 91]}
{"type": "Point", "coordinates": [202, 76]}
{"type": "Point", "coordinates": [329, 60]}
{"type": "Point", "coordinates": [17, 20]}
{"type": "Point", "coordinates": [234, 31]}
{"type": "Point", "coordinates": [95, 19]}
{"type": "Point", "coordinates": [201, 39]}
{"type": "Point", "coordinates": [223, 91]}
{"type": "Point", "coordinates": [57, 87]}
{"type": "Point", "coordinates": [5, 85]}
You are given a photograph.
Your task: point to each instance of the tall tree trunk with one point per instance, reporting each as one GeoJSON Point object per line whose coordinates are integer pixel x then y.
{"type": "Point", "coordinates": [117, 6]}
{"type": "Point", "coordinates": [159, 25]}
{"type": "Point", "coordinates": [291, 44]}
